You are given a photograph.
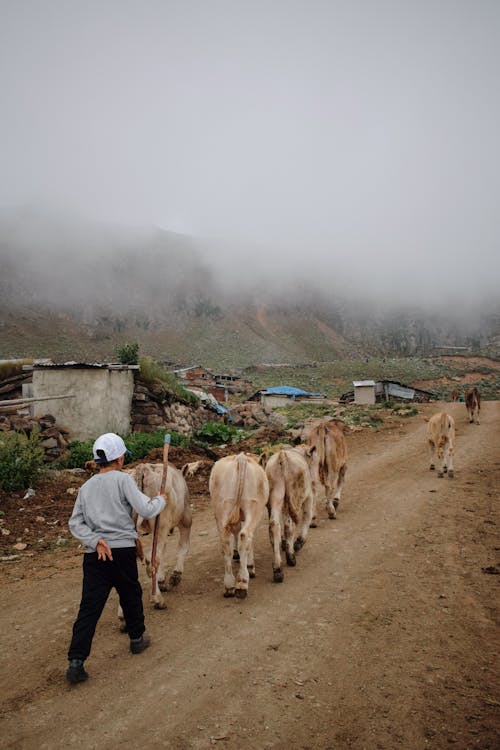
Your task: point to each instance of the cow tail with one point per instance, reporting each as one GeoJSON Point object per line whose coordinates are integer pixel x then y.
{"type": "Point", "coordinates": [241, 470]}
{"type": "Point", "coordinates": [285, 468]}
{"type": "Point", "coordinates": [323, 464]}
{"type": "Point", "coordinates": [443, 429]}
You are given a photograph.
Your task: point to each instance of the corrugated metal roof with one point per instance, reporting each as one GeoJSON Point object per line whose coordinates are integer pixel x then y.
{"type": "Point", "coordinates": [288, 390]}
{"type": "Point", "coordinates": [82, 365]}
{"type": "Point", "coordinates": [362, 383]}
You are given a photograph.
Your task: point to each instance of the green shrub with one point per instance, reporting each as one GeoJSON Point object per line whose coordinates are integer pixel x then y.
{"type": "Point", "coordinates": [217, 432]}
{"type": "Point", "coordinates": [21, 460]}
{"type": "Point", "coordinates": [128, 354]}
{"type": "Point", "coordinates": [78, 453]}
{"type": "Point", "coordinates": [138, 443]}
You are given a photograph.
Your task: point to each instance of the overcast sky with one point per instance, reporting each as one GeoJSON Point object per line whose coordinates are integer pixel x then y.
{"type": "Point", "coordinates": [334, 130]}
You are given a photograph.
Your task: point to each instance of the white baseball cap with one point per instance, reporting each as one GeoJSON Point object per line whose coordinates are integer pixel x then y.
{"type": "Point", "coordinates": [108, 447]}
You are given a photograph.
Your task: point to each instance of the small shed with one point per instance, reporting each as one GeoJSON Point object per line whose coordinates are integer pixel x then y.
{"type": "Point", "coordinates": [282, 395]}
{"type": "Point", "coordinates": [99, 396]}
{"type": "Point", "coordinates": [364, 391]}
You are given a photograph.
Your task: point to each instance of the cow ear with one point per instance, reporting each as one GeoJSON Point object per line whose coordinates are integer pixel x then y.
{"type": "Point", "coordinates": [184, 470]}
{"type": "Point", "coordinates": [310, 450]}
{"type": "Point", "coordinates": [263, 459]}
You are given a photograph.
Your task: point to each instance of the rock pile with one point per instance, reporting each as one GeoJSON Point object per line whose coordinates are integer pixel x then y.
{"type": "Point", "coordinates": [251, 414]}
{"type": "Point", "coordinates": [54, 438]}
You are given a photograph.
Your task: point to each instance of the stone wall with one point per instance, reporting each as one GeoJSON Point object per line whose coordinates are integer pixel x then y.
{"type": "Point", "coordinates": [154, 408]}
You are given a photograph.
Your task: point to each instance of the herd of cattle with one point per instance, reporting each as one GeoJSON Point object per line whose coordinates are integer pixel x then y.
{"type": "Point", "coordinates": [290, 482]}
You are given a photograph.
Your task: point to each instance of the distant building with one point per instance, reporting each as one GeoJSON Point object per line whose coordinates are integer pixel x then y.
{"type": "Point", "coordinates": [282, 395]}
{"type": "Point", "coordinates": [371, 391]}
{"type": "Point", "coordinates": [364, 391]}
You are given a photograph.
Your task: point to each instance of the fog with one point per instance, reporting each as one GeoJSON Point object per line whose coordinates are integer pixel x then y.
{"type": "Point", "coordinates": [352, 144]}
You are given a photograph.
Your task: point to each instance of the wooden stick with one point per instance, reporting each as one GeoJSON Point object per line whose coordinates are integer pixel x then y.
{"type": "Point", "coordinates": [163, 485]}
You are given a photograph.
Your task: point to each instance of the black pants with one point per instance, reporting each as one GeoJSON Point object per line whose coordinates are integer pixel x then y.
{"type": "Point", "coordinates": [99, 577]}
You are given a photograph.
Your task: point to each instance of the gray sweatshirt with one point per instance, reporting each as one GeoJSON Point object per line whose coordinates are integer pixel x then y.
{"type": "Point", "coordinates": [103, 510]}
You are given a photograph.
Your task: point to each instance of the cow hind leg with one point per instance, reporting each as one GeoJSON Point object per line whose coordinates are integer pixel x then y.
{"type": "Point", "coordinates": [432, 451]}
{"type": "Point", "coordinates": [276, 544]}
{"type": "Point", "coordinates": [289, 550]}
{"type": "Point", "coordinates": [161, 556]}
{"type": "Point", "coordinates": [340, 486]}
{"type": "Point", "coordinates": [182, 550]}
{"type": "Point", "coordinates": [251, 562]}
{"type": "Point", "coordinates": [449, 460]}
{"type": "Point", "coordinates": [330, 506]}
{"type": "Point", "coordinates": [227, 551]}
{"type": "Point", "coordinates": [307, 511]}
{"type": "Point", "coordinates": [244, 547]}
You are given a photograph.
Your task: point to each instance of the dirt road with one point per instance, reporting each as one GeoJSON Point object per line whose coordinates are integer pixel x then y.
{"type": "Point", "coordinates": [385, 635]}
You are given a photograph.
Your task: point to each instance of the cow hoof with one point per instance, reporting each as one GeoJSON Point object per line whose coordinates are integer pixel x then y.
{"type": "Point", "coordinates": [298, 544]}
{"type": "Point", "coordinates": [241, 593]}
{"type": "Point", "coordinates": [432, 467]}
{"type": "Point", "coordinates": [160, 605]}
{"type": "Point", "coordinates": [278, 576]}
{"type": "Point", "coordinates": [313, 524]}
{"type": "Point", "coordinates": [336, 503]}
{"type": "Point", "coordinates": [445, 469]}
{"type": "Point", "coordinates": [228, 593]}
{"type": "Point", "coordinates": [162, 586]}
{"type": "Point", "coordinates": [451, 474]}
{"type": "Point", "coordinates": [290, 560]}
{"type": "Point", "coordinates": [332, 515]}
{"type": "Point", "coordinates": [236, 555]}
{"type": "Point", "coordinates": [175, 578]}
{"type": "Point", "coordinates": [251, 571]}
{"type": "Point", "coordinates": [440, 474]}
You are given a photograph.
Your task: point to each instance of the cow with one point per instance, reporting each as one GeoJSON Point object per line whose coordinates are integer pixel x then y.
{"type": "Point", "coordinates": [176, 514]}
{"type": "Point", "coordinates": [473, 404]}
{"type": "Point", "coordinates": [454, 395]}
{"type": "Point", "coordinates": [441, 436]}
{"type": "Point", "coordinates": [326, 453]}
{"type": "Point", "coordinates": [239, 491]}
{"type": "Point", "coordinates": [290, 505]}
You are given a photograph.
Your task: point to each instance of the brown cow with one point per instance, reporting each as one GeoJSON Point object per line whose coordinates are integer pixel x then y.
{"type": "Point", "coordinates": [327, 459]}
{"type": "Point", "coordinates": [290, 505]}
{"type": "Point", "coordinates": [441, 435]}
{"type": "Point", "coordinates": [473, 404]}
{"type": "Point", "coordinates": [454, 395]}
{"type": "Point", "coordinates": [176, 514]}
{"type": "Point", "coordinates": [239, 491]}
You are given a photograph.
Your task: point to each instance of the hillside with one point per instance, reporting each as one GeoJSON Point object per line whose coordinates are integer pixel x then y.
{"type": "Point", "coordinates": [76, 290]}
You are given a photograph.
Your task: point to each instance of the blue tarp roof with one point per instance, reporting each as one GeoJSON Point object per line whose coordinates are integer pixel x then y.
{"type": "Point", "coordinates": [288, 390]}
{"type": "Point", "coordinates": [218, 408]}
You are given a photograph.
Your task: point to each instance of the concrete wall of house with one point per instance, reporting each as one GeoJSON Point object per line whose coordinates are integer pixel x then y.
{"type": "Point", "coordinates": [364, 394]}
{"type": "Point", "coordinates": [102, 399]}
{"type": "Point", "coordinates": [274, 400]}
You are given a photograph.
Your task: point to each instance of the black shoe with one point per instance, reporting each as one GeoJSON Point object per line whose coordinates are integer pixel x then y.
{"type": "Point", "coordinates": [138, 645]}
{"type": "Point", "coordinates": [76, 672]}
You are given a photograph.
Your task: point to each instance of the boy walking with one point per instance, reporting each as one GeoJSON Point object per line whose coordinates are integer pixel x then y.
{"type": "Point", "coordinates": [102, 521]}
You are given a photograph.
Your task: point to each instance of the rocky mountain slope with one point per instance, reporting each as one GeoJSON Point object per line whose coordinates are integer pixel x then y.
{"type": "Point", "coordinates": [70, 290]}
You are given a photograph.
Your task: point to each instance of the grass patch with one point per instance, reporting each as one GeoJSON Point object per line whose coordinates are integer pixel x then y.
{"type": "Point", "coordinates": [9, 369]}
{"type": "Point", "coordinates": [151, 371]}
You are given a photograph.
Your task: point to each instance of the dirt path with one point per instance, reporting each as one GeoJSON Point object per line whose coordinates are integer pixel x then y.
{"type": "Point", "coordinates": [384, 636]}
